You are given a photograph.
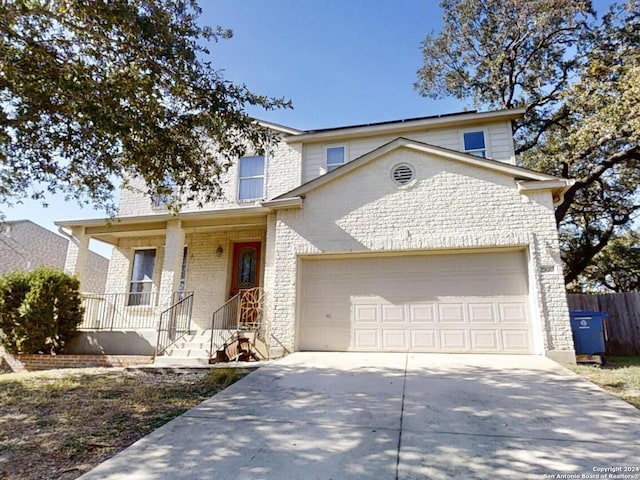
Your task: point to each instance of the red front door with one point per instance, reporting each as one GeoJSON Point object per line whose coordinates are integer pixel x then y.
{"type": "Point", "coordinates": [246, 266]}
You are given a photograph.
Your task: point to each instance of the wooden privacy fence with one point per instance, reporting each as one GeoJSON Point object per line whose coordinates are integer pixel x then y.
{"type": "Point", "coordinates": [623, 324]}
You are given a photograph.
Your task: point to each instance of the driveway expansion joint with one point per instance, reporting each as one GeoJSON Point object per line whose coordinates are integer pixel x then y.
{"type": "Point", "coordinates": [404, 389]}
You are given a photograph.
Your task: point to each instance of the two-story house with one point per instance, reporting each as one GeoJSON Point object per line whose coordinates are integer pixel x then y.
{"type": "Point", "coordinates": [414, 235]}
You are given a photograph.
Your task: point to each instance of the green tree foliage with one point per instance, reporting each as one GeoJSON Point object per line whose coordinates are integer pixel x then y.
{"type": "Point", "coordinates": [39, 311]}
{"type": "Point", "coordinates": [616, 267]}
{"type": "Point", "coordinates": [578, 78]}
{"type": "Point", "coordinates": [94, 91]}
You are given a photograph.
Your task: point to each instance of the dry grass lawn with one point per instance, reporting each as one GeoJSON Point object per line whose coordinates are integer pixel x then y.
{"type": "Point", "coordinates": [61, 423]}
{"type": "Point", "coordinates": [620, 376]}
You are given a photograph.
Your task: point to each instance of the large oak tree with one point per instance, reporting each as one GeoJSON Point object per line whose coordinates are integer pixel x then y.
{"type": "Point", "coordinates": [616, 267]}
{"type": "Point", "coordinates": [93, 91]}
{"type": "Point", "coordinates": [578, 76]}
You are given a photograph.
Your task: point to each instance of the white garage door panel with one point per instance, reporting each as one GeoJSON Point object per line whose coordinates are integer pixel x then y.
{"type": "Point", "coordinates": [451, 312]}
{"type": "Point", "coordinates": [453, 340]}
{"type": "Point", "coordinates": [394, 339]}
{"type": "Point", "coordinates": [486, 340]}
{"type": "Point", "coordinates": [516, 340]}
{"type": "Point", "coordinates": [393, 313]}
{"type": "Point", "coordinates": [513, 312]}
{"type": "Point", "coordinates": [481, 313]}
{"type": "Point", "coordinates": [423, 340]}
{"type": "Point", "coordinates": [450, 303]}
{"type": "Point", "coordinates": [367, 339]}
{"type": "Point", "coordinates": [366, 313]}
{"type": "Point", "coordinates": [421, 313]}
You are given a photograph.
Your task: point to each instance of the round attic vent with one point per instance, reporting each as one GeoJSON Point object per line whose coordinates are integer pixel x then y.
{"type": "Point", "coordinates": [402, 173]}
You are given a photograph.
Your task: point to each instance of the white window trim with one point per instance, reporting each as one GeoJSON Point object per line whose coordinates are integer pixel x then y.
{"type": "Point", "coordinates": [265, 156]}
{"type": "Point", "coordinates": [326, 151]}
{"type": "Point", "coordinates": [264, 176]}
{"type": "Point", "coordinates": [487, 152]}
{"type": "Point", "coordinates": [153, 279]}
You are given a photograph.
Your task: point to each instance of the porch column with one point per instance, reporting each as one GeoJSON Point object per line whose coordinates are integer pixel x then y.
{"type": "Point", "coordinates": [172, 264]}
{"type": "Point", "coordinates": [77, 254]}
{"type": "Point", "coordinates": [275, 350]}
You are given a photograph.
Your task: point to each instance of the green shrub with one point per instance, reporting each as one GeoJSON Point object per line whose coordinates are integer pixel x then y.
{"type": "Point", "coordinates": [39, 311]}
{"type": "Point", "coordinates": [14, 287]}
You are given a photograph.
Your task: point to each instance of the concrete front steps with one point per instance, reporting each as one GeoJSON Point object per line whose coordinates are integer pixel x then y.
{"type": "Point", "coordinates": [191, 350]}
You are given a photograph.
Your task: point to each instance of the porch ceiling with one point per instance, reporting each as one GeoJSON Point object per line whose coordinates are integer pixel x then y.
{"type": "Point", "coordinates": [110, 230]}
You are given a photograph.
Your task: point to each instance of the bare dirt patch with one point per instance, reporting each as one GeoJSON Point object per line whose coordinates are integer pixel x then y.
{"type": "Point", "coordinates": [61, 423]}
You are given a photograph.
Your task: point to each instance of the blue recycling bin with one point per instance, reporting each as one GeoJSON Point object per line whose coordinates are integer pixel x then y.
{"type": "Point", "coordinates": [588, 330]}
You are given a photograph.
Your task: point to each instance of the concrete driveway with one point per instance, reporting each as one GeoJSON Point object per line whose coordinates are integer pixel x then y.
{"type": "Point", "coordinates": [394, 416]}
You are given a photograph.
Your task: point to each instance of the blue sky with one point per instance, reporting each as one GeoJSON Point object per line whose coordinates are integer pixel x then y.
{"type": "Point", "coordinates": [340, 62]}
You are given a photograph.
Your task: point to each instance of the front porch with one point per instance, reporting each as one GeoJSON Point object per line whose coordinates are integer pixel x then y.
{"type": "Point", "coordinates": [236, 330]}
{"type": "Point", "coordinates": [172, 282]}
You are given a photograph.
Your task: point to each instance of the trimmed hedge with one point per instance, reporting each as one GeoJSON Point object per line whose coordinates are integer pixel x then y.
{"type": "Point", "coordinates": [39, 311]}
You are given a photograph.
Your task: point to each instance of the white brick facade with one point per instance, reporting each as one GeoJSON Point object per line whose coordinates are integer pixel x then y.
{"type": "Point", "coordinates": [451, 206]}
{"type": "Point", "coordinates": [497, 139]}
{"type": "Point", "coordinates": [283, 166]}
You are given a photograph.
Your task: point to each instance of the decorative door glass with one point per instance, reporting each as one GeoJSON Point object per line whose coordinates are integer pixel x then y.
{"type": "Point", "coordinates": [246, 266]}
{"type": "Point", "coordinates": [247, 259]}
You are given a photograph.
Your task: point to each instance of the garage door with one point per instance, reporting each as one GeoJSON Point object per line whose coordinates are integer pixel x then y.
{"type": "Point", "coordinates": [429, 303]}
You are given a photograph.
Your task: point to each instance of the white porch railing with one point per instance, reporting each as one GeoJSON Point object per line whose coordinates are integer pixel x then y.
{"type": "Point", "coordinates": [119, 311]}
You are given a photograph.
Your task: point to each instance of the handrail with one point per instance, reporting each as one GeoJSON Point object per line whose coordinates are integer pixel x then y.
{"type": "Point", "coordinates": [174, 323]}
{"type": "Point", "coordinates": [224, 323]}
{"type": "Point", "coordinates": [242, 312]}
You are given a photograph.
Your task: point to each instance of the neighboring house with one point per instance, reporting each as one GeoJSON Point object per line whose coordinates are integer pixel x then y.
{"type": "Point", "coordinates": [415, 235]}
{"type": "Point", "coordinates": [25, 245]}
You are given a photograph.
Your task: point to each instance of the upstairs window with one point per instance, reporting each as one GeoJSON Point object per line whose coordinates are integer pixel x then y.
{"type": "Point", "coordinates": [335, 158]}
{"type": "Point", "coordinates": [141, 287]}
{"type": "Point", "coordinates": [251, 178]}
{"type": "Point", "coordinates": [160, 201]}
{"type": "Point", "coordinates": [168, 188]}
{"type": "Point", "coordinates": [474, 144]}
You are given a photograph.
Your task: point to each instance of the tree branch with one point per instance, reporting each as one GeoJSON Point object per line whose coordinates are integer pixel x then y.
{"type": "Point", "coordinates": [596, 173]}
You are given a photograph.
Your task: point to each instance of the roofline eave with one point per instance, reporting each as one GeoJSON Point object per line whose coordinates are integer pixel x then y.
{"type": "Point", "coordinates": [398, 126]}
